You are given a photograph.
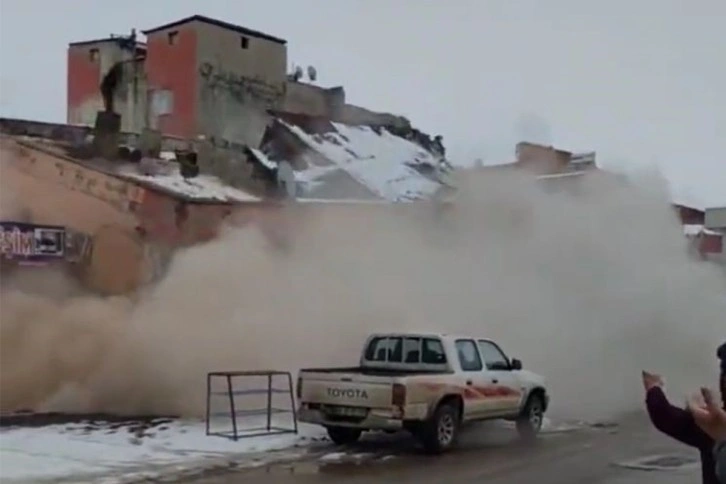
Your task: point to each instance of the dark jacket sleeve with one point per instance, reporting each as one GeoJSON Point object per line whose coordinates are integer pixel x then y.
{"type": "Point", "coordinates": [673, 421]}
{"type": "Point", "coordinates": [720, 456]}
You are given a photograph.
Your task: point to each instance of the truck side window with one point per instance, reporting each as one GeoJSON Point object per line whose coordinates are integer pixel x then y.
{"type": "Point", "coordinates": [433, 352]}
{"type": "Point", "coordinates": [468, 355]}
{"type": "Point", "coordinates": [395, 350]}
{"type": "Point", "coordinates": [412, 350]}
{"type": "Point", "coordinates": [384, 349]}
{"type": "Point", "coordinates": [377, 349]}
{"type": "Point", "coordinates": [493, 356]}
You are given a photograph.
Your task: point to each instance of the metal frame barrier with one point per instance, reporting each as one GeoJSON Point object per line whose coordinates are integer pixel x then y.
{"type": "Point", "coordinates": [268, 411]}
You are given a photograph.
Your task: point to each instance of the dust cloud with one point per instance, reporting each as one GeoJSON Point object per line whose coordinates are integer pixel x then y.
{"type": "Point", "coordinates": [586, 286]}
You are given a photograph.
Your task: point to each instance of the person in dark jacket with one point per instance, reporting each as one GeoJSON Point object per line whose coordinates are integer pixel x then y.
{"type": "Point", "coordinates": [711, 418]}
{"type": "Point", "coordinates": [679, 423]}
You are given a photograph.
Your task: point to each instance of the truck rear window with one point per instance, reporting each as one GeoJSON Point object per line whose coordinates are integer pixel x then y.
{"type": "Point", "coordinates": [396, 349]}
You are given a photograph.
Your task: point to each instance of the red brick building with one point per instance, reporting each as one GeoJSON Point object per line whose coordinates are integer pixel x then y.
{"type": "Point", "coordinates": [705, 243]}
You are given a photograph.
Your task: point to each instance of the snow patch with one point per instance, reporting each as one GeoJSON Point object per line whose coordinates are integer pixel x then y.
{"type": "Point", "coordinates": [202, 188]}
{"type": "Point", "coordinates": [568, 174]}
{"type": "Point", "coordinates": [693, 230]}
{"type": "Point", "coordinates": [74, 453]}
{"type": "Point", "coordinates": [262, 158]}
{"type": "Point", "coordinates": [333, 457]}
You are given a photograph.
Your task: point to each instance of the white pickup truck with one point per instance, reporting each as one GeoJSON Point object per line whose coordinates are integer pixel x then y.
{"type": "Point", "coordinates": [428, 384]}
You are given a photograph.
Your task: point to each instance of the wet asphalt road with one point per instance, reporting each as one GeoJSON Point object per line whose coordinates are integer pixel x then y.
{"type": "Point", "coordinates": [488, 454]}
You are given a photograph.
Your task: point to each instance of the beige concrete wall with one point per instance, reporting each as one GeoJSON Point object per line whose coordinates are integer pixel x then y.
{"type": "Point", "coordinates": [302, 98]}
{"type": "Point", "coordinates": [237, 85]}
{"type": "Point", "coordinates": [356, 115]}
{"type": "Point", "coordinates": [715, 218]}
{"type": "Point", "coordinates": [131, 99]}
{"type": "Point", "coordinates": [45, 189]}
{"type": "Point", "coordinates": [542, 159]}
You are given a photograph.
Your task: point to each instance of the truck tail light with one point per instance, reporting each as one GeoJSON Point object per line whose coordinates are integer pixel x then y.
{"type": "Point", "coordinates": [398, 395]}
{"type": "Point", "coordinates": [298, 388]}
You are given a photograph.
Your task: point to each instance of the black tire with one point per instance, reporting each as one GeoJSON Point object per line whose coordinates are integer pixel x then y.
{"type": "Point", "coordinates": [440, 433]}
{"type": "Point", "coordinates": [344, 435]}
{"type": "Point", "coordinates": [530, 420]}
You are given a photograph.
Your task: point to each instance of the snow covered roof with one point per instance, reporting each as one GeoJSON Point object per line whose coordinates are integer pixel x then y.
{"type": "Point", "coordinates": [201, 189]}
{"type": "Point", "coordinates": [568, 174]}
{"type": "Point", "coordinates": [692, 230]}
{"type": "Point", "coordinates": [385, 164]}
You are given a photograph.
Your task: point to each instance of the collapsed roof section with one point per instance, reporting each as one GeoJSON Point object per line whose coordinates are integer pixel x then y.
{"type": "Point", "coordinates": [329, 160]}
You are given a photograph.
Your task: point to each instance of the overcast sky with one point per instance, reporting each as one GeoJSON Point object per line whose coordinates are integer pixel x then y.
{"type": "Point", "coordinates": [640, 81]}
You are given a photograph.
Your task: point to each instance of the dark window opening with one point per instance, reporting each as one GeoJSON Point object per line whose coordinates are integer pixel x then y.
{"type": "Point", "coordinates": [172, 37]}
{"type": "Point", "coordinates": [93, 55]}
{"type": "Point", "coordinates": [244, 42]}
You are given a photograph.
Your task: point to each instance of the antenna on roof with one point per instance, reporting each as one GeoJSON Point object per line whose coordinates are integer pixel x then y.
{"type": "Point", "coordinates": [312, 74]}
{"type": "Point", "coordinates": [297, 73]}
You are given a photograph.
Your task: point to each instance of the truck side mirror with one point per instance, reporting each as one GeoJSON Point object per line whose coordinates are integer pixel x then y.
{"type": "Point", "coordinates": [516, 364]}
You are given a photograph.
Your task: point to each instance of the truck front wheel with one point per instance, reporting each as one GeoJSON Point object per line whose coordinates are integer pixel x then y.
{"type": "Point", "coordinates": [530, 421]}
{"type": "Point", "coordinates": [344, 435]}
{"type": "Point", "coordinates": [440, 433]}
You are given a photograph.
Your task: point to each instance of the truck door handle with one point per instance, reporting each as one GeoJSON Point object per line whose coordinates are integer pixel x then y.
{"type": "Point", "coordinates": [495, 381]}
{"type": "Point", "coordinates": [468, 382]}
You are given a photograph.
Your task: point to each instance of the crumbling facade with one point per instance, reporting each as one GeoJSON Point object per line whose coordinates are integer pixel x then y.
{"type": "Point", "coordinates": [89, 62]}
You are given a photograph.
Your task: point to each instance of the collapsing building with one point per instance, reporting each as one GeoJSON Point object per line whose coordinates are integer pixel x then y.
{"type": "Point", "coordinates": [200, 125]}
{"type": "Point", "coordinates": [226, 89]}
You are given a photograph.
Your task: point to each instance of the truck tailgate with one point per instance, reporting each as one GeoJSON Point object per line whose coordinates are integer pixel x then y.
{"type": "Point", "coordinates": [346, 389]}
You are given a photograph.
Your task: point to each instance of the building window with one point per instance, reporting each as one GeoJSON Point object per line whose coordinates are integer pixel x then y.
{"type": "Point", "coordinates": [244, 42]}
{"type": "Point", "coordinates": [93, 55]}
{"type": "Point", "coordinates": [172, 37]}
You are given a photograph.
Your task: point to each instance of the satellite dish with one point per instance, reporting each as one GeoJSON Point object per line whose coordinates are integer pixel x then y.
{"type": "Point", "coordinates": [312, 74]}
{"type": "Point", "coordinates": [297, 73]}
{"type": "Point", "coordinates": [286, 179]}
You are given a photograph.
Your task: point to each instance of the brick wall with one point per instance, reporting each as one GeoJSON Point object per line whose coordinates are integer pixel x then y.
{"type": "Point", "coordinates": [171, 59]}
{"type": "Point", "coordinates": [688, 215]}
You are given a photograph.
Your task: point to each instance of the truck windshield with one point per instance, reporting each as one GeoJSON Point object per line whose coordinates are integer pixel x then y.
{"type": "Point", "coordinates": [414, 350]}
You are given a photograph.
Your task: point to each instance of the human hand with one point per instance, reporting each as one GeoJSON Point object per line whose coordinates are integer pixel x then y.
{"type": "Point", "coordinates": [708, 415]}
{"type": "Point", "coordinates": [651, 380]}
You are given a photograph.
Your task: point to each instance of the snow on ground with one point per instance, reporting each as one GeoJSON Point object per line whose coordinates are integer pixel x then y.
{"type": "Point", "coordinates": [203, 187]}
{"type": "Point", "coordinates": [81, 453]}
{"type": "Point", "coordinates": [377, 161]}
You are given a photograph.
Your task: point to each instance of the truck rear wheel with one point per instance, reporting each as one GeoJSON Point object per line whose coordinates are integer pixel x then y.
{"type": "Point", "coordinates": [530, 420]}
{"type": "Point", "coordinates": [441, 432]}
{"type": "Point", "coordinates": [344, 435]}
